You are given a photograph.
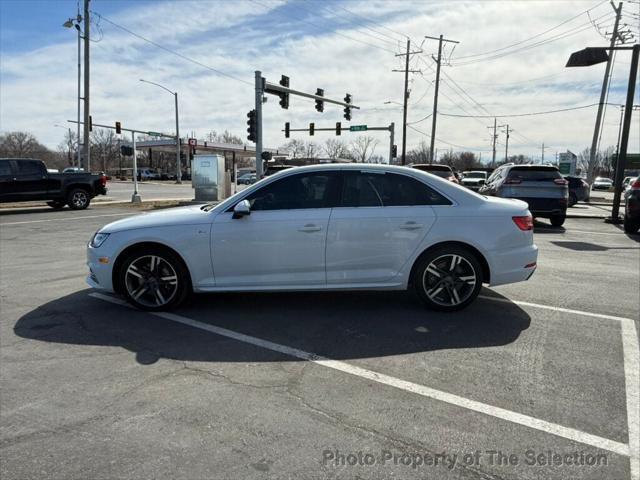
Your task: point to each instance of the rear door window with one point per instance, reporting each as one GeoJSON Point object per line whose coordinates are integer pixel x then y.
{"type": "Point", "coordinates": [373, 189]}
{"type": "Point", "coordinates": [28, 168]}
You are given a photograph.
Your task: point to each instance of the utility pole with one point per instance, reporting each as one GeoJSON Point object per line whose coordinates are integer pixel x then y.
{"type": "Point", "coordinates": [406, 97]}
{"type": "Point", "coordinates": [494, 137]}
{"type": "Point", "coordinates": [435, 94]}
{"type": "Point", "coordinates": [178, 148]}
{"type": "Point", "coordinates": [603, 92]}
{"type": "Point", "coordinates": [259, 88]}
{"type": "Point", "coordinates": [86, 140]}
{"type": "Point", "coordinates": [506, 148]}
{"type": "Point", "coordinates": [542, 161]}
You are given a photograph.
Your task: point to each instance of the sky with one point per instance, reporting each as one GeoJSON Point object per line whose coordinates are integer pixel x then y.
{"type": "Point", "coordinates": [510, 60]}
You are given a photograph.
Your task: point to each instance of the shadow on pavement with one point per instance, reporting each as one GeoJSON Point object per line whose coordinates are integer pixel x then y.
{"type": "Point", "coordinates": [344, 325]}
{"type": "Point", "coordinates": [590, 247]}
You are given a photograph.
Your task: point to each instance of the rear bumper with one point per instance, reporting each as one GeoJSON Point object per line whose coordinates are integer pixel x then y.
{"type": "Point", "coordinates": [545, 207]}
{"type": "Point", "coordinates": [514, 265]}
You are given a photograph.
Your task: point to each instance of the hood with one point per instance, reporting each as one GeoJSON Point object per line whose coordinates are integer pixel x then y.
{"type": "Point", "coordinates": [192, 215]}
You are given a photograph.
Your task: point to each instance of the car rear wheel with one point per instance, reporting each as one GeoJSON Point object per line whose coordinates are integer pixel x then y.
{"type": "Point", "coordinates": [78, 199]}
{"type": "Point", "coordinates": [154, 280]}
{"type": "Point", "coordinates": [448, 278]}
{"type": "Point", "coordinates": [573, 199]}
{"type": "Point", "coordinates": [557, 220]}
{"type": "Point", "coordinates": [56, 204]}
{"type": "Point", "coordinates": [631, 226]}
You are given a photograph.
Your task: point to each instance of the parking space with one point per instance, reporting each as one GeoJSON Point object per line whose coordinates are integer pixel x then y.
{"type": "Point", "coordinates": [534, 380]}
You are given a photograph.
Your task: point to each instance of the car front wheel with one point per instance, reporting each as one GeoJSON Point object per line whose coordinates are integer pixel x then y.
{"type": "Point", "coordinates": [448, 278]}
{"type": "Point", "coordinates": [631, 226]}
{"type": "Point", "coordinates": [154, 280]}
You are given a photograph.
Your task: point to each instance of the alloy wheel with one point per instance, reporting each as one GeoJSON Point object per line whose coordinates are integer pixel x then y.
{"type": "Point", "coordinates": [151, 281]}
{"type": "Point", "coordinates": [449, 280]}
{"type": "Point", "coordinates": [79, 199]}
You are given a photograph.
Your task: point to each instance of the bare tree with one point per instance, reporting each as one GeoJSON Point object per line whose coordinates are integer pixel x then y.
{"type": "Point", "coordinates": [104, 146]}
{"type": "Point", "coordinates": [296, 148]}
{"type": "Point", "coordinates": [25, 145]}
{"type": "Point", "coordinates": [335, 149]}
{"type": "Point", "coordinates": [420, 154]}
{"type": "Point", "coordinates": [311, 150]}
{"type": "Point", "coordinates": [224, 137]}
{"type": "Point", "coordinates": [362, 148]}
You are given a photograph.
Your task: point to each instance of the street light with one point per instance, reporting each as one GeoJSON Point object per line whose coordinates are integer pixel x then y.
{"type": "Point", "coordinates": [178, 163]}
{"type": "Point", "coordinates": [391, 101]}
{"type": "Point", "coordinates": [592, 56]}
{"type": "Point", "coordinates": [75, 22]}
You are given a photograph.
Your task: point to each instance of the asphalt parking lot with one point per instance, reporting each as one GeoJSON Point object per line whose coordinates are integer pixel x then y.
{"type": "Point", "coordinates": [537, 380]}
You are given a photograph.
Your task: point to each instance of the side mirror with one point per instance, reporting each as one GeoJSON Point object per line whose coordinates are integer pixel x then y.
{"type": "Point", "coordinates": [242, 209]}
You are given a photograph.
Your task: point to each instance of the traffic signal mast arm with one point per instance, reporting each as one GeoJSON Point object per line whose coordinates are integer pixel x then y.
{"type": "Point", "coordinates": [146, 132]}
{"type": "Point", "coordinates": [275, 89]}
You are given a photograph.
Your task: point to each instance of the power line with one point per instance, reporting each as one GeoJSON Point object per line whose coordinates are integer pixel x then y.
{"type": "Point", "coordinates": [535, 36]}
{"type": "Point", "coordinates": [523, 114]}
{"type": "Point", "coordinates": [573, 31]}
{"type": "Point", "coordinates": [325, 30]}
{"type": "Point", "coordinates": [446, 142]}
{"type": "Point", "coordinates": [173, 52]}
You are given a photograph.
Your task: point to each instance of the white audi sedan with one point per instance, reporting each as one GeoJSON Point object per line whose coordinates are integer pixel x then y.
{"type": "Point", "coordinates": [324, 227]}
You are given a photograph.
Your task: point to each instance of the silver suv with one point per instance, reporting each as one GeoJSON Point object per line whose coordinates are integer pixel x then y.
{"type": "Point", "coordinates": [541, 186]}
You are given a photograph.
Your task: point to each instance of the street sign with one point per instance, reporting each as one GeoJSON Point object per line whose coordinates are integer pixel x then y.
{"type": "Point", "coordinates": [357, 128]}
{"type": "Point", "coordinates": [154, 134]}
{"type": "Point", "coordinates": [633, 161]}
{"type": "Point", "coordinates": [193, 142]}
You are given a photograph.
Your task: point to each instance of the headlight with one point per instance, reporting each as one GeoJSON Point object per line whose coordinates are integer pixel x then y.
{"type": "Point", "coordinates": [98, 239]}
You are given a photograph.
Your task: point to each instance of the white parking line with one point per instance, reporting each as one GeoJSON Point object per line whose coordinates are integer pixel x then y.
{"type": "Point", "coordinates": [501, 413]}
{"type": "Point", "coordinates": [2, 224]}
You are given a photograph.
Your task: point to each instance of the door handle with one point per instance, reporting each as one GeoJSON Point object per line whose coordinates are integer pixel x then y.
{"type": "Point", "coordinates": [310, 228]}
{"type": "Point", "coordinates": [411, 226]}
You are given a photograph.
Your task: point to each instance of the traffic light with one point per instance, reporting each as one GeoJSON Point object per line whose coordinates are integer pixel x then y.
{"type": "Point", "coordinates": [253, 126]}
{"type": "Point", "coordinates": [347, 110]}
{"type": "Point", "coordinates": [287, 128]}
{"type": "Point", "coordinates": [312, 129]}
{"type": "Point", "coordinates": [320, 103]}
{"type": "Point", "coordinates": [338, 128]}
{"type": "Point", "coordinates": [284, 97]}
{"type": "Point", "coordinates": [394, 151]}
{"type": "Point", "coordinates": [126, 150]}
{"type": "Point", "coordinates": [118, 128]}
{"type": "Point", "coordinates": [90, 124]}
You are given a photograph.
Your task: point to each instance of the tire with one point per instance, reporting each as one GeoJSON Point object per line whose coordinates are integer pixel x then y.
{"type": "Point", "coordinates": [56, 204]}
{"type": "Point", "coordinates": [630, 226]}
{"type": "Point", "coordinates": [78, 199]}
{"type": "Point", "coordinates": [572, 199]}
{"type": "Point", "coordinates": [154, 279]}
{"type": "Point", "coordinates": [444, 288]}
{"type": "Point", "coordinates": [557, 220]}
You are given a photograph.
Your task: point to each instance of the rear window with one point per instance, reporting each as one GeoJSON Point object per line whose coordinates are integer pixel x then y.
{"type": "Point", "coordinates": [535, 173]}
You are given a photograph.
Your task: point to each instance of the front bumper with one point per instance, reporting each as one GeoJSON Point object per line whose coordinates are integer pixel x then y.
{"type": "Point", "coordinates": [100, 273]}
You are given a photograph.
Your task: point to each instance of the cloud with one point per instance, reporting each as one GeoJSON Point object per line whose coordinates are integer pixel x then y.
{"type": "Point", "coordinates": [339, 46]}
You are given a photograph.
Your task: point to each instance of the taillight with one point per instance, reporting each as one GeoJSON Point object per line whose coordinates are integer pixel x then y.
{"type": "Point", "coordinates": [560, 181]}
{"type": "Point", "coordinates": [524, 223]}
{"type": "Point", "coordinates": [512, 181]}
{"type": "Point", "coordinates": [636, 185]}
{"type": "Point", "coordinates": [103, 180]}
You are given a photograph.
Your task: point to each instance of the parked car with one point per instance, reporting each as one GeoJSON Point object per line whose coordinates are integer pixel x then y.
{"type": "Point", "coordinates": [73, 170]}
{"type": "Point", "coordinates": [442, 171]}
{"type": "Point", "coordinates": [541, 186]}
{"type": "Point", "coordinates": [579, 190]}
{"type": "Point", "coordinates": [247, 179]}
{"type": "Point", "coordinates": [321, 227]}
{"type": "Point", "coordinates": [602, 183]}
{"type": "Point", "coordinates": [632, 207]}
{"type": "Point", "coordinates": [148, 174]}
{"type": "Point", "coordinates": [474, 179]}
{"type": "Point", "coordinates": [626, 183]}
{"type": "Point", "coordinates": [23, 180]}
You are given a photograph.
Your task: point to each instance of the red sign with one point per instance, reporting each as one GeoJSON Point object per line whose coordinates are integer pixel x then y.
{"type": "Point", "coordinates": [193, 142]}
